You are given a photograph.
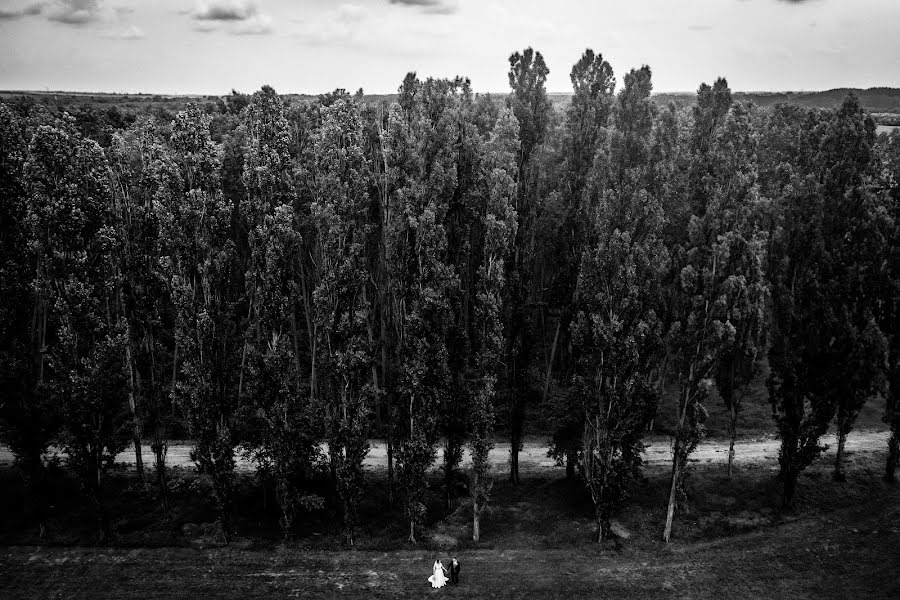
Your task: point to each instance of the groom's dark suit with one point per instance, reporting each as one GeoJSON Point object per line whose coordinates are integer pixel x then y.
{"type": "Point", "coordinates": [454, 572]}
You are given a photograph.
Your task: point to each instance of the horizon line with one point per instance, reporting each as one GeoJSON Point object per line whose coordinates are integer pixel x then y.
{"type": "Point", "coordinates": [365, 93]}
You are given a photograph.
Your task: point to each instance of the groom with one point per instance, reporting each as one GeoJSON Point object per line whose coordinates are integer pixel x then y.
{"type": "Point", "coordinates": [454, 571]}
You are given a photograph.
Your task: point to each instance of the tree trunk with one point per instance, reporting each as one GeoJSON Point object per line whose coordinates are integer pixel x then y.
{"type": "Point", "coordinates": [790, 489]}
{"type": "Point", "coordinates": [673, 490]}
{"type": "Point", "coordinates": [35, 498]}
{"type": "Point", "coordinates": [449, 450]}
{"type": "Point", "coordinates": [224, 516]}
{"type": "Point", "coordinates": [348, 527]}
{"type": "Point", "coordinates": [370, 329]}
{"type": "Point", "coordinates": [102, 515]}
{"type": "Point", "coordinates": [733, 431]}
{"type": "Point", "coordinates": [105, 529]}
{"type": "Point", "coordinates": [550, 362]}
{"type": "Point", "coordinates": [570, 464]}
{"type": "Point", "coordinates": [412, 531]}
{"type": "Point", "coordinates": [379, 423]}
{"type": "Point", "coordinates": [296, 337]}
{"type": "Point", "coordinates": [312, 370]}
{"type": "Point", "coordinates": [243, 366]}
{"type": "Point", "coordinates": [390, 455]}
{"type": "Point", "coordinates": [388, 398]}
{"type": "Point", "coordinates": [893, 457]}
{"type": "Point", "coordinates": [515, 436]}
{"type": "Point", "coordinates": [135, 421]}
{"type": "Point", "coordinates": [514, 458]}
{"type": "Point", "coordinates": [839, 456]}
{"type": "Point", "coordinates": [332, 469]}
{"type": "Point", "coordinates": [159, 450]}
{"type": "Point", "coordinates": [174, 374]}
{"type": "Point", "coordinates": [476, 509]}
{"type": "Point", "coordinates": [604, 526]}
{"type": "Point", "coordinates": [138, 459]}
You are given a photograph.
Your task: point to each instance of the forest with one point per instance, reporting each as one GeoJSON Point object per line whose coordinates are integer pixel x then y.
{"type": "Point", "coordinates": [283, 281]}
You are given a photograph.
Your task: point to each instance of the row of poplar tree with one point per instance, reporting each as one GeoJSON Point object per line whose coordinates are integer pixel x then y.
{"type": "Point", "coordinates": [269, 275]}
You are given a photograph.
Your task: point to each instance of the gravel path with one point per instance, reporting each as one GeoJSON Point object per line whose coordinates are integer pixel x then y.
{"type": "Point", "coordinates": [535, 452]}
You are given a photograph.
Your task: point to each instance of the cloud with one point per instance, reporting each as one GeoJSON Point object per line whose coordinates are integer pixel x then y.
{"type": "Point", "coordinates": [256, 25]}
{"type": "Point", "coordinates": [699, 27]}
{"type": "Point", "coordinates": [7, 14]}
{"type": "Point", "coordinates": [434, 7]}
{"type": "Point", "coordinates": [75, 12]}
{"type": "Point", "coordinates": [226, 10]}
{"type": "Point", "coordinates": [243, 15]}
{"type": "Point", "coordinates": [204, 27]}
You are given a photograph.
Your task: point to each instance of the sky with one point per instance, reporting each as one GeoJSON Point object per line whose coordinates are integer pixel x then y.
{"type": "Point", "coordinates": [315, 46]}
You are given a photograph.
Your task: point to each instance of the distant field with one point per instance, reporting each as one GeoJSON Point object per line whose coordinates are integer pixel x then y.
{"type": "Point", "coordinates": [876, 100]}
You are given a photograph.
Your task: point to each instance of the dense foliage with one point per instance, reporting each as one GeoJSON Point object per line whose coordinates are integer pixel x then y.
{"type": "Point", "coordinates": [289, 279]}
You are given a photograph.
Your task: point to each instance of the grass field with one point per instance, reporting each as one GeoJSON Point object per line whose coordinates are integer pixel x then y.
{"type": "Point", "coordinates": [730, 541]}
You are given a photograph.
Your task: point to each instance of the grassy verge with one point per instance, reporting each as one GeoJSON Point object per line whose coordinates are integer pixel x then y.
{"type": "Point", "coordinates": [729, 542]}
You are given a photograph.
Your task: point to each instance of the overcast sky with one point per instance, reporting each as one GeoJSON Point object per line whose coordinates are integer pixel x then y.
{"type": "Point", "coordinates": [314, 46]}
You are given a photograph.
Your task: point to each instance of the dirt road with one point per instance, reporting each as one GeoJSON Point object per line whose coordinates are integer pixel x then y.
{"type": "Point", "coordinates": [534, 453]}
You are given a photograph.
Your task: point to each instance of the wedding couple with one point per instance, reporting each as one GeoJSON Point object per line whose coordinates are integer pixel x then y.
{"type": "Point", "coordinates": [438, 577]}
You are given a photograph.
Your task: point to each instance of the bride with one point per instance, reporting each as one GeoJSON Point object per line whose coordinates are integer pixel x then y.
{"type": "Point", "coordinates": [438, 577]}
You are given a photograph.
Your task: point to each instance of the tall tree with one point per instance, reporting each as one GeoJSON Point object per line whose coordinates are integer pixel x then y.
{"type": "Point", "coordinates": [274, 386]}
{"type": "Point", "coordinates": [617, 332]}
{"type": "Point", "coordinates": [453, 154]}
{"type": "Point", "coordinates": [585, 130]}
{"type": "Point", "coordinates": [593, 89]}
{"type": "Point", "coordinates": [382, 316]}
{"type": "Point", "coordinates": [499, 219]}
{"type": "Point", "coordinates": [199, 256]}
{"type": "Point", "coordinates": [141, 167]}
{"type": "Point", "coordinates": [734, 187]}
{"type": "Point", "coordinates": [72, 231]}
{"type": "Point", "coordinates": [340, 211]}
{"type": "Point", "coordinates": [792, 141]}
{"type": "Point", "coordinates": [852, 271]}
{"type": "Point", "coordinates": [29, 418]}
{"type": "Point", "coordinates": [421, 182]}
{"type": "Point", "coordinates": [889, 310]}
{"type": "Point", "coordinates": [528, 100]}
{"type": "Point", "coordinates": [699, 330]}
{"type": "Point", "coordinates": [824, 343]}
{"type": "Point", "coordinates": [531, 106]}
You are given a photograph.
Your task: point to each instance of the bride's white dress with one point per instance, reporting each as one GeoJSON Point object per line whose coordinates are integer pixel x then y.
{"type": "Point", "coordinates": [437, 579]}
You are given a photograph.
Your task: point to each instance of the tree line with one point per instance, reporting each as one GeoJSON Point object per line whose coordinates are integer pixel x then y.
{"type": "Point", "coordinates": [266, 275]}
